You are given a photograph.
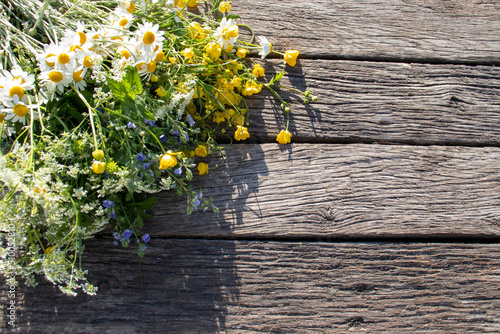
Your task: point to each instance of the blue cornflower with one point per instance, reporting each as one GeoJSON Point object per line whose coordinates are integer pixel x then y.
{"type": "Point", "coordinates": [140, 157]}
{"type": "Point", "coordinates": [146, 238]}
{"type": "Point", "coordinates": [127, 234]}
{"type": "Point", "coordinates": [162, 138]}
{"type": "Point", "coordinates": [190, 120]}
{"type": "Point", "coordinates": [108, 204]}
{"type": "Point", "coordinates": [131, 125]}
{"type": "Point", "coordinates": [148, 122]}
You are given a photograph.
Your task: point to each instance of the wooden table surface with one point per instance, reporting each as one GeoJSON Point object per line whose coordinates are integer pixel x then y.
{"type": "Point", "coordinates": [382, 216]}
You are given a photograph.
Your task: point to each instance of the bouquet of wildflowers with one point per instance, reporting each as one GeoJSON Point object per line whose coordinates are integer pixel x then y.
{"type": "Point", "coordinates": [102, 106]}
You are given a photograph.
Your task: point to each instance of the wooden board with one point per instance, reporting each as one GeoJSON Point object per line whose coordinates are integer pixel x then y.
{"type": "Point", "coordinates": [343, 191]}
{"type": "Point", "coordinates": [210, 286]}
{"type": "Point", "coordinates": [387, 102]}
{"type": "Point", "coordinates": [457, 31]}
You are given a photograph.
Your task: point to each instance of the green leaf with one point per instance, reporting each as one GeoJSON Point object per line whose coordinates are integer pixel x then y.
{"type": "Point", "coordinates": [132, 82]}
{"type": "Point", "coordinates": [147, 204]}
{"type": "Point", "coordinates": [277, 77]}
{"type": "Point", "coordinates": [117, 88]}
{"type": "Point", "coordinates": [232, 16]}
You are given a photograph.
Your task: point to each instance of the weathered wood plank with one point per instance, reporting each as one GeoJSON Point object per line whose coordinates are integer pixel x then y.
{"type": "Point", "coordinates": [339, 191]}
{"type": "Point", "coordinates": [209, 286]}
{"type": "Point", "coordinates": [407, 30]}
{"type": "Point", "coordinates": [389, 102]}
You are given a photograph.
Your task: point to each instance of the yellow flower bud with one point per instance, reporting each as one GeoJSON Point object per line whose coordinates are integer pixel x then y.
{"type": "Point", "coordinates": [98, 155]}
{"type": "Point", "coordinates": [241, 133]}
{"type": "Point", "coordinates": [291, 57]}
{"type": "Point", "coordinates": [284, 137]}
{"type": "Point", "coordinates": [202, 168]}
{"type": "Point", "coordinates": [258, 70]}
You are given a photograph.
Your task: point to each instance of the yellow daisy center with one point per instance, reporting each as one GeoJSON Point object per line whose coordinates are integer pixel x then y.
{"type": "Point", "coordinates": [131, 8]}
{"type": "Point", "coordinates": [16, 90]}
{"type": "Point", "coordinates": [87, 61]}
{"type": "Point", "coordinates": [148, 38]}
{"type": "Point", "coordinates": [83, 37]}
{"type": "Point", "coordinates": [55, 76]}
{"type": "Point", "coordinates": [15, 78]}
{"type": "Point", "coordinates": [123, 22]}
{"type": "Point", "coordinates": [151, 66]}
{"type": "Point", "coordinates": [75, 47]}
{"type": "Point", "coordinates": [20, 110]}
{"type": "Point", "coordinates": [159, 56]}
{"type": "Point", "coordinates": [50, 63]}
{"type": "Point", "coordinates": [77, 76]}
{"type": "Point", "coordinates": [63, 58]}
{"type": "Point", "coordinates": [125, 53]}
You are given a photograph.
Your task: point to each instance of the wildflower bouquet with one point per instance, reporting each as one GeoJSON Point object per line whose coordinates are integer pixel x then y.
{"type": "Point", "coordinates": [104, 105]}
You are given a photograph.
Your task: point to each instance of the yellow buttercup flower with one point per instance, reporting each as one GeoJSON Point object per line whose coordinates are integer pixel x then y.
{"type": "Point", "coordinates": [201, 151]}
{"type": "Point", "coordinates": [291, 57]}
{"type": "Point", "coordinates": [284, 137]}
{"type": "Point", "coordinates": [98, 167]}
{"type": "Point", "coordinates": [193, 3]}
{"type": "Point", "coordinates": [214, 50]}
{"type": "Point", "coordinates": [242, 53]}
{"type": "Point", "coordinates": [202, 168]}
{"type": "Point", "coordinates": [241, 133]}
{"type": "Point", "coordinates": [168, 160]}
{"type": "Point", "coordinates": [225, 6]}
{"type": "Point", "coordinates": [160, 92]}
{"type": "Point", "coordinates": [188, 53]}
{"type": "Point", "coordinates": [49, 250]}
{"type": "Point", "coordinates": [258, 71]}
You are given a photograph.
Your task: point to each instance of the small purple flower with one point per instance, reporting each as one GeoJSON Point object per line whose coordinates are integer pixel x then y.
{"type": "Point", "coordinates": [178, 171]}
{"type": "Point", "coordinates": [190, 120]}
{"type": "Point", "coordinates": [127, 234]}
{"type": "Point", "coordinates": [175, 132]}
{"type": "Point", "coordinates": [112, 215]}
{"type": "Point", "coordinates": [146, 238]}
{"type": "Point", "coordinates": [148, 122]}
{"type": "Point", "coordinates": [185, 137]}
{"type": "Point", "coordinates": [140, 157]}
{"type": "Point", "coordinates": [196, 203]}
{"type": "Point", "coordinates": [108, 204]}
{"type": "Point", "coordinates": [116, 243]}
{"type": "Point", "coordinates": [162, 138]}
{"type": "Point", "coordinates": [146, 165]}
{"type": "Point", "coordinates": [144, 247]}
{"type": "Point", "coordinates": [98, 109]}
{"type": "Point", "coordinates": [131, 125]}
{"type": "Point", "coordinates": [117, 236]}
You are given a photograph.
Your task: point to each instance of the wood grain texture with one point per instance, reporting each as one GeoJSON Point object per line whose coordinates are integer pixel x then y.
{"type": "Point", "coordinates": [342, 191]}
{"type": "Point", "coordinates": [457, 31]}
{"type": "Point", "coordinates": [213, 286]}
{"type": "Point", "coordinates": [388, 102]}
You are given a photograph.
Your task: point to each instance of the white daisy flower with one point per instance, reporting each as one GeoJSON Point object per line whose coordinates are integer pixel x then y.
{"type": "Point", "coordinates": [16, 86]}
{"type": "Point", "coordinates": [127, 5]}
{"type": "Point", "coordinates": [49, 50]}
{"type": "Point", "coordinates": [16, 73]}
{"type": "Point", "coordinates": [77, 75]}
{"type": "Point", "coordinates": [227, 32]}
{"type": "Point", "coordinates": [63, 56]}
{"type": "Point", "coordinates": [265, 47]}
{"type": "Point", "coordinates": [56, 79]}
{"type": "Point", "coordinates": [86, 60]}
{"type": "Point", "coordinates": [121, 19]}
{"type": "Point", "coordinates": [17, 109]}
{"type": "Point", "coordinates": [149, 37]}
